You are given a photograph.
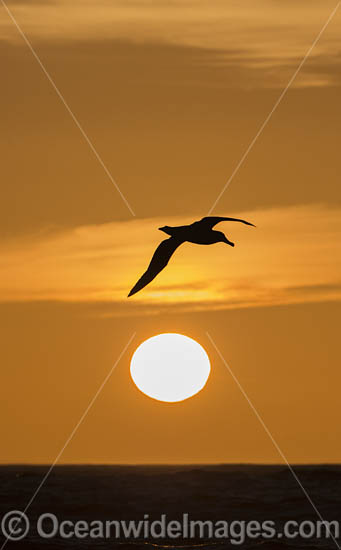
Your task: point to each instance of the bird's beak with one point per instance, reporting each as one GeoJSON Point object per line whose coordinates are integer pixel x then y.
{"type": "Point", "coordinates": [229, 242]}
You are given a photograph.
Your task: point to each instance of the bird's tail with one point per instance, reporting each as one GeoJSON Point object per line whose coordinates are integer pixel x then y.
{"type": "Point", "coordinates": [167, 229]}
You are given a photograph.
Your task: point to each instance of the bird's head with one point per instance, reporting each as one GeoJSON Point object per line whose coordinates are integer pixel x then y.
{"type": "Point", "coordinates": [224, 239]}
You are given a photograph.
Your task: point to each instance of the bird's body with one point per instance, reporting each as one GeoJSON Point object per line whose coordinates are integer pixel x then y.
{"type": "Point", "coordinates": [200, 232]}
{"type": "Point", "coordinates": [193, 234]}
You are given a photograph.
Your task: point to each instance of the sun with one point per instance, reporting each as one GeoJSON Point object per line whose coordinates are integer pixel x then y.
{"type": "Point", "coordinates": [170, 367]}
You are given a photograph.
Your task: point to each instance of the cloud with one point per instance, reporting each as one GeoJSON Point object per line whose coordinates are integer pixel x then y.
{"type": "Point", "coordinates": [293, 256]}
{"type": "Point", "coordinates": [273, 36]}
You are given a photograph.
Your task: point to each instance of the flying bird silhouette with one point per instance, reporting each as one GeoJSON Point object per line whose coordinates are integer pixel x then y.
{"type": "Point", "coordinates": [200, 232]}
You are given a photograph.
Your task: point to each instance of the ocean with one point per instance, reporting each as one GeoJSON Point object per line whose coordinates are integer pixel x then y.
{"type": "Point", "coordinates": [233, 495]}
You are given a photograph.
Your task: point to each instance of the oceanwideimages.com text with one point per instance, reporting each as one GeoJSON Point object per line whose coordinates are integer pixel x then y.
{"type": "Point", "coordinates": [15, 525]}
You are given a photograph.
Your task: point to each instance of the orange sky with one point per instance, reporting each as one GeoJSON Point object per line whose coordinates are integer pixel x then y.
{"type": "Point", "coordinates": [170, 95]}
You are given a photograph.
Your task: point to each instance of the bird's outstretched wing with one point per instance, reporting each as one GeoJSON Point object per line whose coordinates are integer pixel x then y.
{"type": "Point", "coordinates": [211, 221]}
{"type": "Point", "coordinates": [158, 262]}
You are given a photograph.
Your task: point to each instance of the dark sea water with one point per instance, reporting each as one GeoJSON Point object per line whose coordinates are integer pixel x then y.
{"type": "Point", "coordinates": [212, 493]}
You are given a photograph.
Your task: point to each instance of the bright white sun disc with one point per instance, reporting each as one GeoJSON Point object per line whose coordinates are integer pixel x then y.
{"type": "Point", "coordinates": [170, 367]}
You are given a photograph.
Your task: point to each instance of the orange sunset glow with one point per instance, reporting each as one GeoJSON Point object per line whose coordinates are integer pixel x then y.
{"type": "Point", "coordinates": [169, 95]}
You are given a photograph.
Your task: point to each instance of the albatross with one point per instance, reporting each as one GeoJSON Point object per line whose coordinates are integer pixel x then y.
{"type": "Point", "coordinates": [200, 232]}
